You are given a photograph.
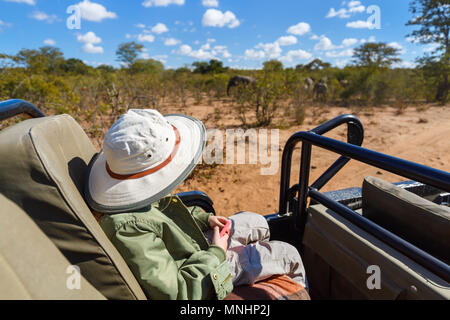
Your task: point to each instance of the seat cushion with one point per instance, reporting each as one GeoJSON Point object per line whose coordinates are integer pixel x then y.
{"type": "Point", "coordinates": [31, 267]}
{"type": "Point", "coordinates": [43, 165]}
{"type": "Point", "coordinates": [278, 287]}
{"type": "Point", "coordinates": [415, 219]}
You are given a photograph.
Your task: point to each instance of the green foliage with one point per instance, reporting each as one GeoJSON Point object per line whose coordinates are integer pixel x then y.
{"type": "Point", "coordinates": [128, 52]}
{"type": "Point", "coordinates": [375, 55]}
{"type": "Point", "coordinates": [273, 66]}
{"type": "Point", "coordinates": [314, 65]}
{"type": "Point", "coordinates": [213, 66]}
{"type": "Point", "coordinates": [432, 17]}
{"type": "Point", "coordinates": [146, 66]}
{"type": "Point", "coordinates": [98, 96]}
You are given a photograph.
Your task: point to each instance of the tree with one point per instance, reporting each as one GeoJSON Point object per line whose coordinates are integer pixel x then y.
{"type": "Point", "coordinates": [45, 59]}
{"type": "Point", "coordinates": [146, 66]}
{"type": "Point", "coordinates": [433, 19]}
{"type": "Point", "coordinates": [213, 66]}
{"type": "Point", "coordinates": [375, 55]}
{"type": "Point", "coordinates": [127, 52]}
{"type": "Point", "coordinates": [75, 66]}
{"type": "Point", "coordinates": [106, 68]}
{"type": "Point", "coordinates": [314, 65]}
{"type": "Point", "coordinates": [273, 65]}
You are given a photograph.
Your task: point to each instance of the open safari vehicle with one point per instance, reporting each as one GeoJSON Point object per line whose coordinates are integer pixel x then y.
{"type": "Point", "coordinates": [375, 241]}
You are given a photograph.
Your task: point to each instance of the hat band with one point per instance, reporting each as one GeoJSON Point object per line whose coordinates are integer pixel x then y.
{"type": "Point", "coordinates": [152, 170]}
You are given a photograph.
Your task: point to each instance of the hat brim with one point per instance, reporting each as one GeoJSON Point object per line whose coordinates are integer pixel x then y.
{"type": "Point", "coordinates": [109, 195]}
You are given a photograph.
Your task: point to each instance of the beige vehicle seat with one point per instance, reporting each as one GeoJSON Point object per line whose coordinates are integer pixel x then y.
{"type": "Point", "coordinates": [42, 169]}
{"type": "Point", "coordinates": [341, 257]}
{"type": "Point", "coordinates": [31, 267]}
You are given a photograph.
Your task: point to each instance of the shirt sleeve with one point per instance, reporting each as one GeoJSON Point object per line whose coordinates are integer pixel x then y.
{"type": "Point", "coordinates": [201, 217]}
{"type": "Point", "coordinates": [204, 275]}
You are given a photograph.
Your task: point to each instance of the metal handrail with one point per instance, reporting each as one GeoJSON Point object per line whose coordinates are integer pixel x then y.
{"type": "Point", "coordinates": [355, 136]}
{"type": "Point", "coordinates": [11, 108]}
{"type": "Point", "coordinates": [427, 175]}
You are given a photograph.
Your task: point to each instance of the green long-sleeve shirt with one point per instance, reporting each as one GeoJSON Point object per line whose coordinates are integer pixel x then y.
{"type": "Point", "coordinates": [166, 250]}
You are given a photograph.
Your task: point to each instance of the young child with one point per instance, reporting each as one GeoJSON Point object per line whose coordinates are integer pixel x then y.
{"type": "Point", "coordinates": [175, 252]}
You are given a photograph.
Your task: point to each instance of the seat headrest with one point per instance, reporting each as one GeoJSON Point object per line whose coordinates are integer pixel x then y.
{"type": "Point", "coordinates": [415, 219]}
{"type": "Point", "coordinates": [42, 169]}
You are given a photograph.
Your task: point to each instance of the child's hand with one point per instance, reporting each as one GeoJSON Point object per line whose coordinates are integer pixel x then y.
{"type": "Point", "coordinates": [217, 222]}
{"type": "Point", "coordinates": [220, 241]}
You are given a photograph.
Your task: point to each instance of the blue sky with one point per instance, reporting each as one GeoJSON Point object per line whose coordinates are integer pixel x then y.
{"type": "Point", "coordinates": [241, 33]}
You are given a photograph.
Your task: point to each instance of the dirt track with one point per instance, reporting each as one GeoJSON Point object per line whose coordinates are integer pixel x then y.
{"type": "Point", "coordinates": [419, 136]}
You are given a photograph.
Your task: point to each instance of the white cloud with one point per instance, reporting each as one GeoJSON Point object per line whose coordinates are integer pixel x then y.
{"type": "Point", "coordinates": [299, 29]}
{"type": "Point", "coordinates": [30, 2]}
{"type": "Point", "coordinates": [200, 54]}
{"type": "Point", "coordinates": [341, 63]}
{"type": "Point", "coordinates": [161, 3]}
{"type": "Point", "coordinates": [221, 50]}
{"type": "Point", "coordinates": [405, 64]}
{"type": "Point", "coordinates": [336, 54]}
{"type": "Point", "coordinates": [146, 37]}
{"type": "Point", "coordinates": [353, 4]}
{"type": "Point", "coordinates": [210, 3]}
{"type": "Point", "coordinates": [92, 11]}
{"type": "Point", "coordinates": [349, 42]}
{"type": "Point", "coordinates": [359, 24]}
{"type": "Point", "coordinates": [371, 40]}
{"type": "Point", "coordinates": [171, 42]}
{"type": "Point", "coordinates": [206, 46]}
{"type": "Point", "coordinates": [271, 50]}
{"type": "Point", "coordinates": [216, 18]}
{"type": "Point", "coordinates": [357, 9]}
{"type": "Point", "coordinates": [341, 13]}
{"type": "Point", "coordinates": [254, 54]}
{"type": "Point", "coordinates": [344, 13]}
{"type": "Point", "coordinates": [397, 46]}
{"type": "Point", "coordinates": [324, 44]}
{"type": "Point", "coordinates": [140, 26]}
{"type": "Point", "coordinates": [160, 28]}
{"type": "Point", "coordinates": [90, 48]}
{"type": "Point", "coordinates": [294, 55]}
{"type": "Point", "coordinates": [162, 58]}
{"type": "Point", "coordinates": [89, 37]}
{"type": "Point", "coordinates": [185, 50]}
{"type": "Point", "coordinates": [42, 16]}
{"type": "Point", "coordinates": [287, 41]}
{"type": "Point", "coordinates": [4, 24]}
{"type": "Point", "coordinates": [431, 47]}
{"type": "Point", "coordinates": [49, 42]}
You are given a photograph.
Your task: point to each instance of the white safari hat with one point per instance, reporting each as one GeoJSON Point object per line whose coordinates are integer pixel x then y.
{"type": "Point", "coordinates": [145, 156]}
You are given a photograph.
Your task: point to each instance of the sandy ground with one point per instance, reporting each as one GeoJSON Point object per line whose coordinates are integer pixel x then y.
{"type": "Point", "coordinates": [420, 135]}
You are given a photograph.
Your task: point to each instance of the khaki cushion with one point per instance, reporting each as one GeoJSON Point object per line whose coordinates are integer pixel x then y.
{"type": "Point", "coordinates": [338, 255]}
{"type": "Point", "coordinates": [42, 169]}
{"type": "Point", "coordinates": [31, 267]}
{"type": "Point", "coordinates": [417, 220]}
